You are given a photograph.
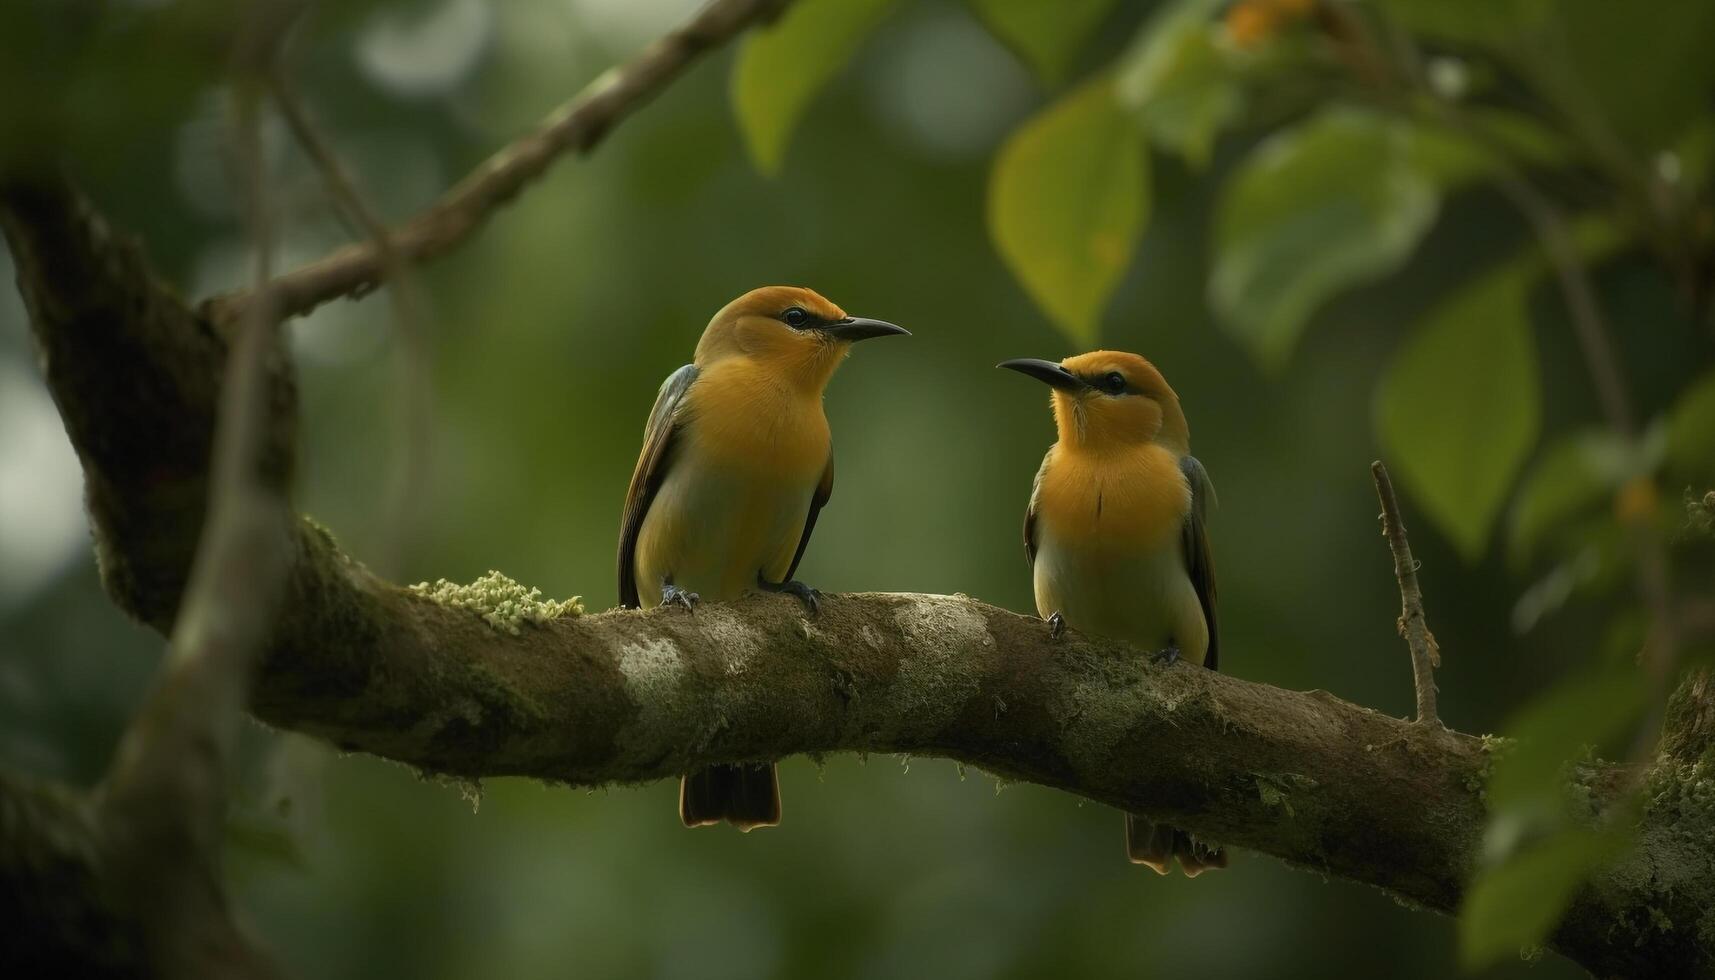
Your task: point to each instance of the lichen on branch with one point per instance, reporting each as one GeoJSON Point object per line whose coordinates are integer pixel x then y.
{"type": "Point", "coordinates": [501, 602]}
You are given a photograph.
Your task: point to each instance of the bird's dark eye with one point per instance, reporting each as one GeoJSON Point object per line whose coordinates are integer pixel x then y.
{"type": "Point", "coordinates": [1114, 383]}
{"type": "Point", "coordinates": [795, 317]}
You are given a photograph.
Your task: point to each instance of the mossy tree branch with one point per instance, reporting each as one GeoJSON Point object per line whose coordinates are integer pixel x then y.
{"type": "Point", "coordinates": [630, 696]}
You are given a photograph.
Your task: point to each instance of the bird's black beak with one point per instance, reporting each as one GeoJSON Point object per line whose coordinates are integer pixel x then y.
{"type": "Point", "coordinates": [854, 328]}
{"type": "Point", "coordinates": [1046, 372]}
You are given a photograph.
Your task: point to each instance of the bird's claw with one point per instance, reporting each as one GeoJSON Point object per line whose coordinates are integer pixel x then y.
{"type": "Point", "coordinates": [1168, 655]}
{"type": "Point", "coordinates": [672, 595]}
{"type": "Point", "coordinates": [810, 597]}
{"type": "Point", "coordinates": [1056, 626]}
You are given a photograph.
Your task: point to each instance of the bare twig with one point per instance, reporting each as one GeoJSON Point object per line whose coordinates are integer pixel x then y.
{"type": "Point", "coordinates": [415, 408]}
{"type": "Point", "coordinates": [1413, 626]}
{"type": "Point", "coordinates": [578, 126]}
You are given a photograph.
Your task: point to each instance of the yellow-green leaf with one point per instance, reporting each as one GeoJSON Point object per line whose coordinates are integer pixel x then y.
{"type": "Point", "coordinates": [1461, 405]}
{"type": "Point", "coordinates": [1327, 205]}
{"type": "Point", "coordinates": [1514, 906]}
{"type": "Point", "coordinates": [1067, 200]}
{"type": "Point", "coordinates": [779, 70]}
{"type": "Point", "coordinates": [1047, 34]}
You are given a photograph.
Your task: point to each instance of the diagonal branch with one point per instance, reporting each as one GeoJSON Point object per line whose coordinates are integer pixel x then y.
{"type": "Point", "coordinates": [576, 127]}
{"type": "Point", "coordinates": [415, 408]}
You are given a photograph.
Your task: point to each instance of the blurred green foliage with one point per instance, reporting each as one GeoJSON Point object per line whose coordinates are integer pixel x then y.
{"type": "Point", "coordinates": [1067, 203]}
{"type": "Point", "coordinates": [1318, 259]}
{"type": "Point", "coordinates": [1461, 426]}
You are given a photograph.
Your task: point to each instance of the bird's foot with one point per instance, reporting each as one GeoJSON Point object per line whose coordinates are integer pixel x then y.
{"type": "Point", "coordinates": [672, 595]}
{"type": "Point", "coordinates": [1168, 655]}
{"type": "Point", "coordinates": [1056, 626]}
{"type": "Point", "coordinates": [811, 598]}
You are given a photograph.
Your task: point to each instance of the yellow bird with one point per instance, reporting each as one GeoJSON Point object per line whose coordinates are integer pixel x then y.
{"type": "Point", "coordinates": [1116, 537]}
{"type": "Point", "coordinates": [736, 465]}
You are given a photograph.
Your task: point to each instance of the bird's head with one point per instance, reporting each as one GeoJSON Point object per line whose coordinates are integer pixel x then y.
{"type": "Point", "coordinates": [1110, 398]}
{"type": "Point", "coordinates": [789, 330]}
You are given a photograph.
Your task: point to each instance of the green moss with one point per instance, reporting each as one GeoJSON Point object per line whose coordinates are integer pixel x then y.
{"type": "Point", "coordinates": [1496, 744]}
{"type": "Point", "coordinates": [501, 602]}
{"type": "Point", "coordinates": [1682, 797]}
{"type": "Point", "coordinates": [1275, 789]}
{"type": "Point", "coordinates": [469, 790]}
{"type": "Point", "coordinates": [1700, 512]}
{"type": "Point", "coordinates": [1493, 747]}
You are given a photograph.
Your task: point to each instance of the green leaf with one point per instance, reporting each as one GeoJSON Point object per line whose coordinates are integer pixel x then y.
{"type": "Point", "coordinates": [1047, 34]}
{"type": "Point", "coordinates": [1578, 471]}
{"type": "Point", "coordinates": [1514, 906]}
{"type": "Point", "coordinates": [1067, 201]}
{"type": "Point", "coordinates": [1461, 404]}
{"type": "Point", "coordinates": [1691, 429]}
{"type": "Point", "coordinates": [1537, 849]}
{"type": "Point", "coordinates": [1179, 82]}
{"type": "Point", "coordinates": [781, 69]}
{"type": "Point", "coordinates": [1328, 205]}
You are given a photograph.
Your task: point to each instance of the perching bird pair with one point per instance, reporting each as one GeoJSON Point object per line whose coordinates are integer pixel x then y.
{"type": "Point", "coordinates": [737, 465]}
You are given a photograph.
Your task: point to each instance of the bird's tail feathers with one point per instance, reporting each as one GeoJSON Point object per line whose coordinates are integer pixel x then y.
{"type": "Point", "coordinates": [1156, 845]}
{"type": "Point", "coordinates": [746, 796]}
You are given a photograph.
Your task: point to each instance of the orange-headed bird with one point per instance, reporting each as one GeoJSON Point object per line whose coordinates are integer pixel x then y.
{"type": "Point", "coordinates": [1116, 537]}
{"type": "Point", "coordinates": [736, 465]}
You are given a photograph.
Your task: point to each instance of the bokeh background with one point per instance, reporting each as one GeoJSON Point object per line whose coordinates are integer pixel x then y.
{"type": "Point", "coordinates": [548, 335]}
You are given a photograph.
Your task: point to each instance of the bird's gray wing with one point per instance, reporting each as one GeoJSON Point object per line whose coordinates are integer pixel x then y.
{"type": "Point", "coordinates": [1199, 563]}
{"type": "Point", "coordinates": [659, 438]}
{"type": "Point", "coordinates": [1030, 512]}
{"type": "Point", "coordinates": [824, 490]}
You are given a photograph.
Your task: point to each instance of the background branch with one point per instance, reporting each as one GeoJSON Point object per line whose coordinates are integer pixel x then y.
{"type": "Point", "coordinates": [578, 126]}
{"type": "Point", "coordinates": [415, 407]}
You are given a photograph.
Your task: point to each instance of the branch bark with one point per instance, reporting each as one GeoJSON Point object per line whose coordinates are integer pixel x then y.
{"type": "Point", "coordinates": [629, 696]}
{"type": "Point", "coordinates": [576, 127]}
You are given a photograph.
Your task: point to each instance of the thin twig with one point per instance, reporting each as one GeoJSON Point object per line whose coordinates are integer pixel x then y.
{"type": "Point", "coordinates": [1413, 626]}
{"type": "Point", "coordinates": [578, 126]}
{"type": "Point", "coordinates": [1555, 237]}
{"type": "Point", "coordinates": [405, 295]}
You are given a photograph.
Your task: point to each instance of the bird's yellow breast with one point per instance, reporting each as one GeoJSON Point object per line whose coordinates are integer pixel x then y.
{"type": "Point", "coordinates": [1129, 500]}
{"type": "Point", "coordinates": [1108, 552]}
{"type": "Point", "coordinates": [744, 416]}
